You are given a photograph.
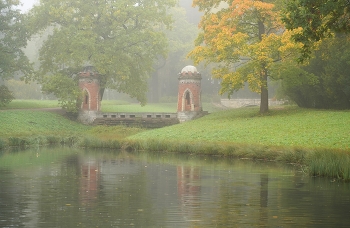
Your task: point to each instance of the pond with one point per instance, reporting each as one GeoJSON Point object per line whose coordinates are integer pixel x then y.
{"type": "Point", "coordinates": [67, 187]}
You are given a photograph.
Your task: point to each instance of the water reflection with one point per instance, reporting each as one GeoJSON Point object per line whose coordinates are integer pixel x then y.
{"type": "Point", "coordinates": [189, 190]}
{"type": "Point", "coordinates": [73, 188]}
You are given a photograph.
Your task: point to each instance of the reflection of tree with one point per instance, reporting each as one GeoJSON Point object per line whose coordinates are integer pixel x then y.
{"type": "Point", "coordinates": [264, 195]}
{"type": "Point", "coordinates": [189, 189]}
{"type": "Point", "coordinates": [12, 200]}
{"type": "Point", "coordinates": [242, 201]}
{"type": "Point", "coordinates": [59, 193]}
{"type": "Point", "coordinates": [89, 182]}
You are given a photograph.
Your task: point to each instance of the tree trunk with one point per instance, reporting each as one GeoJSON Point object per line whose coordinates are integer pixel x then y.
{"type": "Point", "coordinates": [264, 97]}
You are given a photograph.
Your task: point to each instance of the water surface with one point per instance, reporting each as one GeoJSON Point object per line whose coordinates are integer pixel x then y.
{"type": "Point", "coordinates": [65, 187]}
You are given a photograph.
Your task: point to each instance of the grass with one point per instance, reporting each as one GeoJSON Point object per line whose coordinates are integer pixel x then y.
{"type": "Point", "coordinates": [27, 127]}
{"type": "Point", "coordinates": [31, 104]}
{"type": "Point", "coordinates": [25, 123]}
{"type": "Point", "coordinates": [117, 106]}
{"type": "Point", "coordinates": [289, 127]}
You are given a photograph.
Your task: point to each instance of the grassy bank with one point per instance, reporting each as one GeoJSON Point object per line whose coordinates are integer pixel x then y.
{"type": "Point", "coordinates": [317, 140]}
{"type": "Point", "coordinates": [27, 127]}
{"type": "Point", "coordinates": [287, 127]}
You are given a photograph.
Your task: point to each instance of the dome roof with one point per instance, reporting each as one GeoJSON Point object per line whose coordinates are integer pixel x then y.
{"type": "Point", "coordinates": [189, 69]}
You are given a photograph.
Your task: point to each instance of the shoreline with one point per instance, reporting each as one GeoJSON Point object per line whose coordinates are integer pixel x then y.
{"type": "Point", "coordinates": [24, 129]}
{"type": "Point", "coordinates": [322, 162]}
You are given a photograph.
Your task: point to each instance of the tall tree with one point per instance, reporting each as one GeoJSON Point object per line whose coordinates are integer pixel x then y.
{"type": "Point", "coordinates": [12, 39]}
{"type": "Point", "coordinates": [241, 37]}
{"type": "Point", "coordinates": [121, 39]}
{"type": "Point", "coordinates": [318, 18]}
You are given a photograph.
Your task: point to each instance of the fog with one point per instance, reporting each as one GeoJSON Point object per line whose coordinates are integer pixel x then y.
{"type": "Point", "coordinates": [26, 5]}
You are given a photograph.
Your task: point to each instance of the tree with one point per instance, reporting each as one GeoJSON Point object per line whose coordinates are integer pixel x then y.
{"type": "Point", "coordinates": [324, 82]}
{"type": "Point", "coordinates": [318, 18]}
{"type": "Point", "coordinates": [12, 38]}
{"type": "Point", "coordinates": [6, 96]}
{"type": "Point", "coordinates": [121, 39]}
{"type": "Point", "coordinates": [244, 38]}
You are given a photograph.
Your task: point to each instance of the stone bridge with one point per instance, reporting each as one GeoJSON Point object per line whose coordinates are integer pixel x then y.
{"type": "Point", "coordinates": [189, 104]}
{"type": "Point", "coordinates": [145, 120]}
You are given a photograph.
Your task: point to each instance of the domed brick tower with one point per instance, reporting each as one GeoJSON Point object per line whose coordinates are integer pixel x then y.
{"type": "Point", "coordinates": [189, 102]}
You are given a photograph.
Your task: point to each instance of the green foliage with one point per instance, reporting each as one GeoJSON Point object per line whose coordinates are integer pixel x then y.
{"type": "Point", "coordinates": [324, 82]}
{"type": "Point", "coordinates": [13, 39]}
{"type": "Point", "coordinates": [21, 90]}
{"type": "Point", "coordinates": [317, 18]}
{"type": "Point", "coordinates": [121, 39]}
{"type": "Point", "coordinates": [6, 96]}
{"type": "Point", "coordinates": [65, 89]}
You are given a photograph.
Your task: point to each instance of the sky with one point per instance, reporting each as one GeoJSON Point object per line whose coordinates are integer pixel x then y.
{"type": "Point", "coordinates": [27, 4]}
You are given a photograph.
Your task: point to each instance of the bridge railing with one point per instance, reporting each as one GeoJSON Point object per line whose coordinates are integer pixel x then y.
{"type": "Point", "coordinates": [146, 115]}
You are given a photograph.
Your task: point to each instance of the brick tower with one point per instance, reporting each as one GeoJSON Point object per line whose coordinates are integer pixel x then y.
{"type": "Point", "coordinates": [189, 102]}
{"type": "Point", "coordinates": [91, 100]}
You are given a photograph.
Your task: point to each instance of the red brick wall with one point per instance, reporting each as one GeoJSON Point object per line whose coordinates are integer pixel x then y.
{"type": "Point", "coordinates": [193, 86]}
{"type": "Point", "coordinates": [90, 86]}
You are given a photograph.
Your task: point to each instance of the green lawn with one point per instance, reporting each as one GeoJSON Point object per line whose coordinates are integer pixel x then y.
{"type": "Point", "coordinates": [22, 123]}
{"type": "Point", "coordinates": [117, 106]}
{"type": "Point", "coordinates": [291, 127]}
{"type": "Point", "coordinates": [27, 123]}
{"type": "Point", "coordinates": [31, 104]}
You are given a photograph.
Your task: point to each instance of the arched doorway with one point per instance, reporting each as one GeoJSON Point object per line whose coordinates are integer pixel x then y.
{"type": "Point", "coordinates": [86, 100]}
{"type": "Point", "coordinates": [187, 101]}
